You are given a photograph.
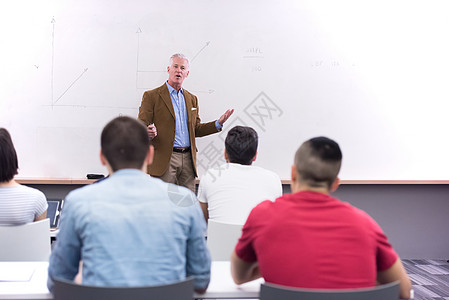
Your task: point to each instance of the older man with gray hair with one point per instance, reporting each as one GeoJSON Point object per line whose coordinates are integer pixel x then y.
{"type": "Point", "coordinates": [171, 115]}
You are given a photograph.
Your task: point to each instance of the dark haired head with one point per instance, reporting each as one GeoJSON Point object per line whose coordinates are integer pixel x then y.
{"type": "Point", "coordinates": [241, 145]}
{"type": "Point", "coordinates": [8, 157]}
{"type": "Point", "coordinates": [125, 143]}
{"type": "Point", "coordinates": [318, 162]}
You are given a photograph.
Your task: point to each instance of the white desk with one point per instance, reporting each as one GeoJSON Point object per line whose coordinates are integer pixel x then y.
{"type": "Point", "coordinates": [36, 288]}
{"type": "Point", "coordinates": [221, 285]}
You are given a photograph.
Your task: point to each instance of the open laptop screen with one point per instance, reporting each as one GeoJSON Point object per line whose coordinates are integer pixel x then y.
{"type": "Point", "coordinates": [53, 210]}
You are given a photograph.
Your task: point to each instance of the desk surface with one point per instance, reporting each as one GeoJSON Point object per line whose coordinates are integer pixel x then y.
{"type": "Point", "coordinates": [36, 288]}
{"type": "Point", "coordinates": [221, 285]}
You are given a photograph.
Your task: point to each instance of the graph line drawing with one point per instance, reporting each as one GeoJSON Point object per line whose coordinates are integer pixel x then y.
{"type": "Point", "coordinates": [81, 106]}
{"type": "Point", "coordinates": [204, 92]}
{"type": "Point", "coordinates": [70, 86]}
{"type": "Point", "coordinates": [52, 58]}
{"type": "Point", "coordinates": [52, 75]}
{"type": "Point", "coordinates": [145, 73]}
{"type": "Point", "coordinates": [139, 31]}
{"type": "Point", "coordinates": [201, 50]}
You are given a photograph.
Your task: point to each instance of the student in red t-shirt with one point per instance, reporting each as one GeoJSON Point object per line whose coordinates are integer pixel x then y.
{"type": "Point", "coordinates": [309, 239]}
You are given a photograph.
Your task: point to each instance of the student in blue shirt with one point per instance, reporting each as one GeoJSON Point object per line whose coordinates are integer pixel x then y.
{"type": "Point", "coordinates": [132, 229]}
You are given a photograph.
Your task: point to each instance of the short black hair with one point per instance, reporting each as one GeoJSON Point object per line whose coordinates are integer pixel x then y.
{"type": "Point", "coordinates": [8, 157]}
{"type": "Point", "coordinates": [318, 162]}
{"type": "Point", "coordinates": [241, 145]}
{"type": "Point", "coordinates": [125, 143]}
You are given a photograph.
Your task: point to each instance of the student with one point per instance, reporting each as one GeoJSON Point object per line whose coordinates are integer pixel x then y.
{"type": "Point", "coordinates": [228, 193]}
{"type": "Point", "coordinates": [19, 204]}
{"type": "Point", "coordinates": [131, 229]}
{"type": "Point", "coordinates": [309, 239]}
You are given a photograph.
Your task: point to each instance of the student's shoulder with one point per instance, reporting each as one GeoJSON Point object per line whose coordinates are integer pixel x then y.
{"type": "Point", "coordinates": [361, 215]}
{"type": "Point", "coordinates": [263, 171]}
{"type": "Point", "coordinates": [30, 191]}
{"type": "Point", "coordinates": [214, 173]}
{"type": "Point", "coordinates": [79, 193]}
{"type": "Point", "coordinates": [86, 192]}
{"type": "Point", "coordinates": [262, 213]}
{"type": "Point", "coordinates": [183, 203]}
{"type": "Point", "coordinates": [180, 196]}
{"type": "Point", "coordinates": [267, 174]}
{"type": "Point", "coordinates": [264, 208]}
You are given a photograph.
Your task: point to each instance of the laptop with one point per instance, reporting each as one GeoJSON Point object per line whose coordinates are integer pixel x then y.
{"type": "Point", "coordinates": [54, 211]}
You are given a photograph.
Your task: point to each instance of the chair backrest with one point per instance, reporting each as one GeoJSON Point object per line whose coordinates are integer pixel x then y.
{"type": "Point", "coordinates": [221, 239]}
{"type": "Point", "coordinates": [28, 242]}
{"type": "Point", "coordinates": [68, 290]}
{"type": "Point", "coordinates": [388, 291]}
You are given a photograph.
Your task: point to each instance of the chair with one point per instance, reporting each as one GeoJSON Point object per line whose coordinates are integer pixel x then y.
{"type": "Point", "coordinates": [221, 239]}
{"type": "Point", "coordinates": [68, 290]}
{"type": "Point", "coordinates": [269, 291]}
{"type": "Point", "coordinates": [28, 242]}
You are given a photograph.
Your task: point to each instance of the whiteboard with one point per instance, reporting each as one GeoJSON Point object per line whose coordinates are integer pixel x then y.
{"type": "Point", "coordinates": [373, 75]}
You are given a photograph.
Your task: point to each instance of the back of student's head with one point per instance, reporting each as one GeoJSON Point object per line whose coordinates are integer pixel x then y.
{"type": "Point", "coordinates": [241, 145]}
{"type": "Point", "coordinates": [318, 162]}
{"type": "Point", "coordinates": [125, 143]}
{"type": "Point", "coordinates": [8, 157]}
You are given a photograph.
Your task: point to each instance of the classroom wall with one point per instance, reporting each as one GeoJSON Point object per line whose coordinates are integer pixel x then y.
{"type": "Point", "coordinates": [370, 74]}
{"type": "Point", "coordinates": [414, 217]}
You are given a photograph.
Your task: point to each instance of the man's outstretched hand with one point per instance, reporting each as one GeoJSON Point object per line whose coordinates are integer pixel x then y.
{"type": "Point", "coordinates": [225, 116]}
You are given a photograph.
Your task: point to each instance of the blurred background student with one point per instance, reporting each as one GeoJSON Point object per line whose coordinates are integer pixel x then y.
{"type": "Point", "coordinates": [19, 204]}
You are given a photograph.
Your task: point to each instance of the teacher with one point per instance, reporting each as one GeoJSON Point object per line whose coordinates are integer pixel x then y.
{"type": "Point", "coordinates": [171, 115]}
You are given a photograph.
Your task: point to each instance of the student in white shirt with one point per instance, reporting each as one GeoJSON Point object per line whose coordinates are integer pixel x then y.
{"type": "Point", "coordinates": [228, 193]}
{"type": "Point", "coordinates": [19, 204]}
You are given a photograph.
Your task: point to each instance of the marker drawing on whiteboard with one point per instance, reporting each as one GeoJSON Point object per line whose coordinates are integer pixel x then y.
{"type": "Point", "coordinates": [139, 31]}
{"type": "Point", "coordinates": [70, 86]}
{"type": "Point", "coordinates": [52, 58]}
{"type": "Point", "coordinates": [201, 50]}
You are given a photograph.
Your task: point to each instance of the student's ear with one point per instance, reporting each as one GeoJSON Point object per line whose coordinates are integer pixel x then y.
{"type": "Point", "coordinates": [103, 159]}
{"type": "Point", "coordinates": [226, 155]}
{"type": "Point", "coordinates": [335, 184]}
{"type": "Point", "coordinates": [105, 162]}
{"type": "Point", "coordinates": [294, 176]}
{"type": "Point", "coordinates": [255, 156]}
{"type": "Point", "coordinates": [150, 155]}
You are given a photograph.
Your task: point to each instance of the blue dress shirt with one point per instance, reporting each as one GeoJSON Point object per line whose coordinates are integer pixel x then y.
{"type": "Point", "coordinates": [179, 106]}
{"type": "Point", "coordinates": [131, 230]}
